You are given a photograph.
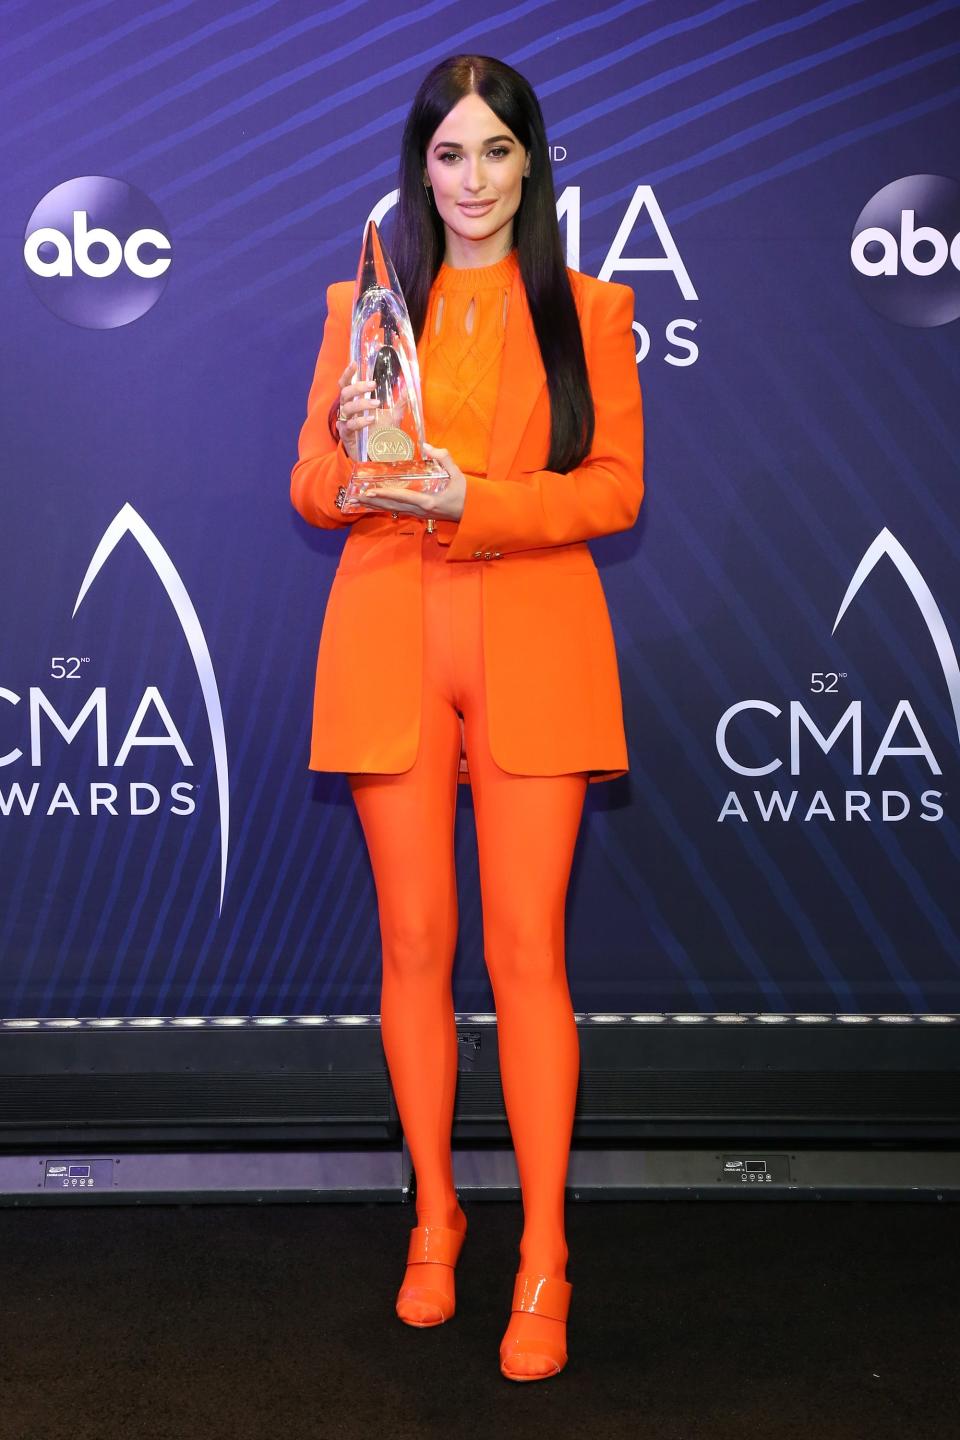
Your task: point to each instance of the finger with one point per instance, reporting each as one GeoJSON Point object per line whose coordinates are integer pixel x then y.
{"type": "Point", "coordinates": [377, 504]}
{"type": "Point", "coordinates": [392, 507]}
{"type": "Point", "coordinates": [407, 500]}
{"type": "Point", "coordinates": [439, 453]}
{"type": "Point", "coordinates": [349, 414]}
{"type": "Point", "coordinates": [358, 405]}
{"type": "Point", "coordinates": [389, 494]}
{"type": "Point", "coordinates": [346, 374]}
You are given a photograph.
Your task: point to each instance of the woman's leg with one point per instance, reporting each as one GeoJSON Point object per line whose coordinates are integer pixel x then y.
{"type": "Point", "coordinates": [526, 834]}
{"type": "Point", "coordinates": [408, 824]}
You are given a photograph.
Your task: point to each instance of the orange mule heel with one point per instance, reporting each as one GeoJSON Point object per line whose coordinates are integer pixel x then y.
{"type": "Point", "coordinates": [538, 1295]}
{"type": "Point", "coordinates": [431, 1245]}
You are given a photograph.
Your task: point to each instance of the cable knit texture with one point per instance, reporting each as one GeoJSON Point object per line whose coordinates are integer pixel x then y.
{"type": "Point", "coordinates": [460, 367]}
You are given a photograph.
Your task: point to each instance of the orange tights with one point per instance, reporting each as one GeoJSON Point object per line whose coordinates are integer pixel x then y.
{"type": "Point", "coordinates": [526, 832]}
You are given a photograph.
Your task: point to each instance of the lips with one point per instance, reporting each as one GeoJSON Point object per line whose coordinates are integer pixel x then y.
{"type": "Point", "coordinates": [477, 209]}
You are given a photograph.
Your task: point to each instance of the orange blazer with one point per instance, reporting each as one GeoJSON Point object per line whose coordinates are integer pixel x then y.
{"type": "Point", "coordinates": [553, 687]}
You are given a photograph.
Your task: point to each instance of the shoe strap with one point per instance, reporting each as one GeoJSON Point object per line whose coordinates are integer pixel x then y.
{"type": "Point", "coordinates": [434, 1244]}
{"type": "Point", "coordinates": [541, 1295]}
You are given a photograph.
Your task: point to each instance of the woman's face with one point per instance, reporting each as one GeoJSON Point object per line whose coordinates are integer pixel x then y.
{"type": "Point", "coordinates": [473, 157]}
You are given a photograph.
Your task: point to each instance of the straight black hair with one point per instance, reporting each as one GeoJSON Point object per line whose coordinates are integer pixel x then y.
{"type": "Point", "coordinates": [417, 237]}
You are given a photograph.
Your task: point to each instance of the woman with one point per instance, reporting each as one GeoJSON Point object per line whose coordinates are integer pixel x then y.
{"type": "Point", "coordinates": [476, 618]}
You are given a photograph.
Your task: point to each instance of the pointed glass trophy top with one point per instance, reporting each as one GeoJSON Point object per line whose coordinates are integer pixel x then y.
{"type": "Point", "coordinates": [375, 270]}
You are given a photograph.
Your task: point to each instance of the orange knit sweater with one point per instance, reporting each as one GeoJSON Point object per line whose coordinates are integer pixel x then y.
{"type": "Point", "coordinates": [460, 368]}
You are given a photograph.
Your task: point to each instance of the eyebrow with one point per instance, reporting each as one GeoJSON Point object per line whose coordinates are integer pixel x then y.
{"type": "Point", "coordinates": [455, 144]}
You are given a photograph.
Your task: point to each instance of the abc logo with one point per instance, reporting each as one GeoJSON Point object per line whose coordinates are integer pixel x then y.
{"type": "Point", "coordinates": [906, 250]}
{"type": "Point", "coordinates": [97, 252]}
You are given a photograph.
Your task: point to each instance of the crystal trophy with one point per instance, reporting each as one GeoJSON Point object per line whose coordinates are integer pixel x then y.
{"type": "Point", "coordinates": [384, 350]}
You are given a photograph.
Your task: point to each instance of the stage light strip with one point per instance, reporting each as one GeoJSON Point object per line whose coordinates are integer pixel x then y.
{"type": "Point", "coordinates": [604, 1017]}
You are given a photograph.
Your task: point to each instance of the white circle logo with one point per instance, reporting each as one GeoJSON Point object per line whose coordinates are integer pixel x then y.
{"type": "Point", "coordinates": [905, 251]}
{"type": "Point", "coordinates": [97, 252]}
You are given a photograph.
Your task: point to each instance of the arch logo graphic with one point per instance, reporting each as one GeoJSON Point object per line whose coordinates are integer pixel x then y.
{"type": "Point", "coordinates": [97, 252]}
{"type": "Point", "coordinates": [905, 251]}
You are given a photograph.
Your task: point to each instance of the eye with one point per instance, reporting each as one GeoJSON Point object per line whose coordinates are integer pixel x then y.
{"type": "Point", "coordinates": [499, 150]}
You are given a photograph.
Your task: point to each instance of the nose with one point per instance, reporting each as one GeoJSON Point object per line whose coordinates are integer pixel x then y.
{"type": "Point", "coordinates": [474, 181]}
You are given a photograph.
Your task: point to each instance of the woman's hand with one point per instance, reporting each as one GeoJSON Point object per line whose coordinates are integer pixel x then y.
{"type": "Point", "coordinates": [353, 402]}
{"type": "Point", "coordinates": [447, 505]}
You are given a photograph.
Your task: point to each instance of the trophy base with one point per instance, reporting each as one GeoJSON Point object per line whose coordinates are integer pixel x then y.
{"type": "Point", "coordinates": [426, 476]}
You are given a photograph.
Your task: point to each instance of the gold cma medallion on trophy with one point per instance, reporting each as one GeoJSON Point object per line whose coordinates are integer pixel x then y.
{"type": "Point", "coordinates": [389, 445]}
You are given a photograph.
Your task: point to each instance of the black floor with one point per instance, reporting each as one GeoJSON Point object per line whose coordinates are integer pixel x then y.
{"type": "Point", "coordinates": [276, 1323]}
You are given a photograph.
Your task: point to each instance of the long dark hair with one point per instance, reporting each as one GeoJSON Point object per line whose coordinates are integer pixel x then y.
{"type": "Point", "coordinates": [417, 236]}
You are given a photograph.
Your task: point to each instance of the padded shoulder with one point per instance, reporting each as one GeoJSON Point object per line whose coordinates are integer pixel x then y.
{"type": "Point", "coordinates": [590, 292]}
{"type": "Point", "coordinates": [340, 295]}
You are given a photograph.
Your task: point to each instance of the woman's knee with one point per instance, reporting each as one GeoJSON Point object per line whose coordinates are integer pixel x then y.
{"type": "Point", "coordinates": [418, 946]}
{"type": "Point", "coordinates": [525, 955]}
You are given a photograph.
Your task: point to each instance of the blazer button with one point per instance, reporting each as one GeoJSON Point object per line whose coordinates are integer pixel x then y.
{"type": "Point", "coordinates": [498, 554]}
{"type": "Point", "coordinates": [488, 554]}
{"type": "Point", "coordinates": [477, 554]}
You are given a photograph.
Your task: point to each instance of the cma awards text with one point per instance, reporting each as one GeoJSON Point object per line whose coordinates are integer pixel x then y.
{"type": "Point", "coordinates": [89, 729]}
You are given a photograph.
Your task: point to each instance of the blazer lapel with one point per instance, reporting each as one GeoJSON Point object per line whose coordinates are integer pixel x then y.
{"type": "Point", "coordinates": [522, 377]}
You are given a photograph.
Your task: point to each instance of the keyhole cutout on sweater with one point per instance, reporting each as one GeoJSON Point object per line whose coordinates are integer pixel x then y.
{"type": "Point", "coordinates": [468, 318]}
{"type": "Point", "coordinates": [436, 327]}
